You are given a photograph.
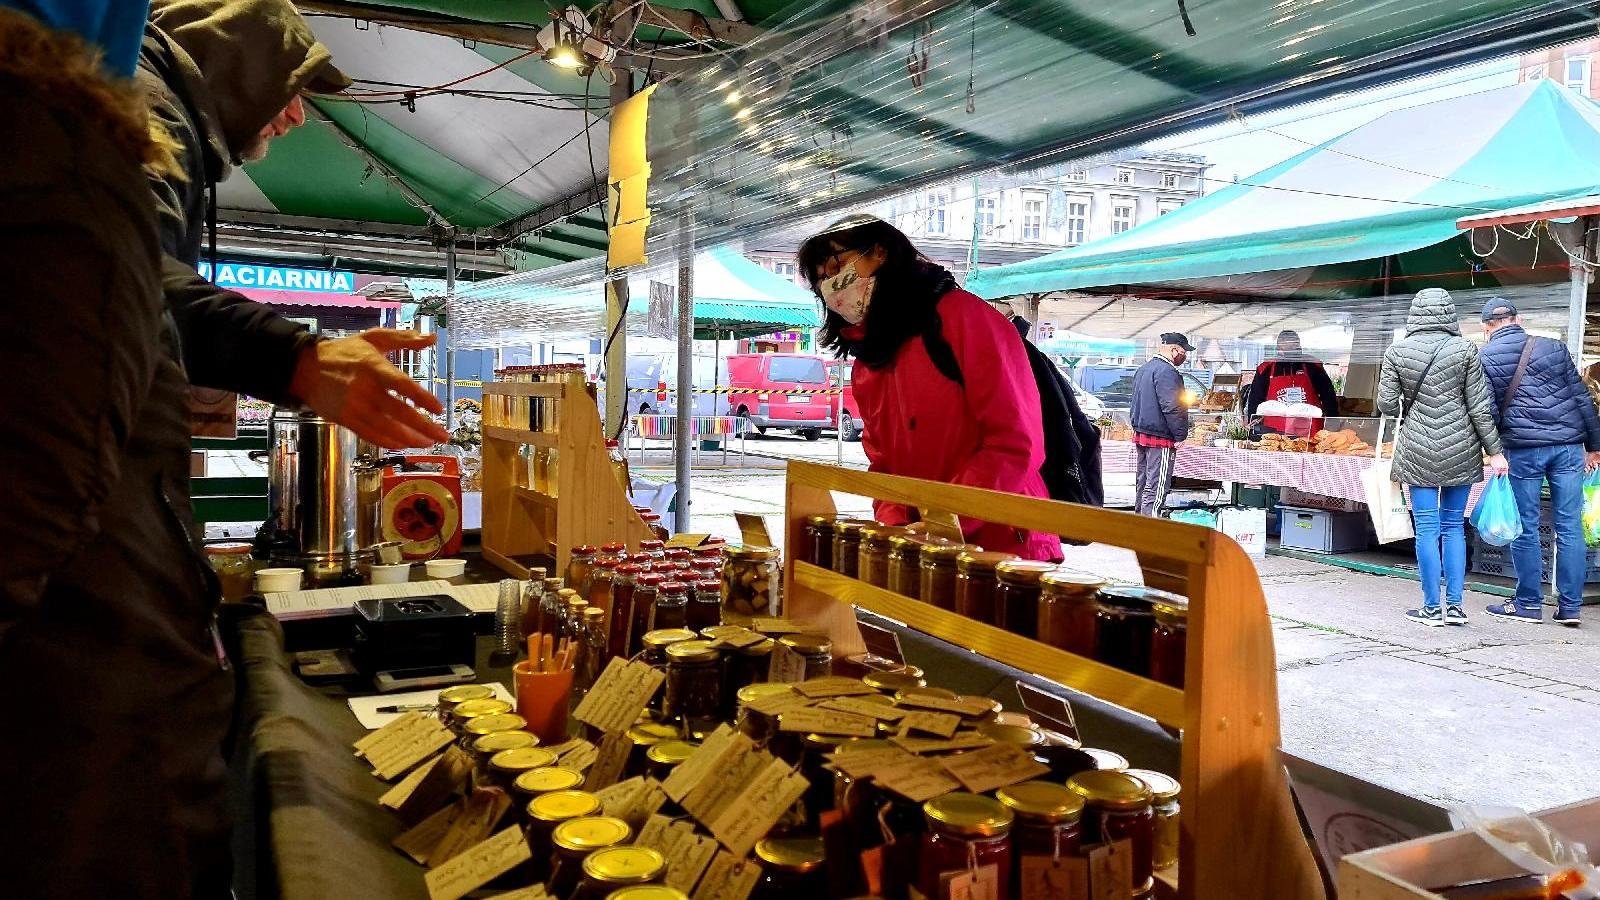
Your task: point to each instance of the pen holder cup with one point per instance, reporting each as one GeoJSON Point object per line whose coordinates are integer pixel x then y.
{"type": "Point", "coordinates": [543, 699]}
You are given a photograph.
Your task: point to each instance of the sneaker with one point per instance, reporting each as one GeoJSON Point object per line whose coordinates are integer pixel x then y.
{"type": "Point", "coordinates": [1571, 621]}
{"type": "Point", "coordinates": [1511, 611]}
{"type": "Point", "coordinates": [1428, 615]}
{"type": "Point", "coordinates": [1455, 615]}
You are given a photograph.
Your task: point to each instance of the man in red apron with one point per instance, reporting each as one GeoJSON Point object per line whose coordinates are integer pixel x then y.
{"type": "Point", "coordinates": [1292, 378]}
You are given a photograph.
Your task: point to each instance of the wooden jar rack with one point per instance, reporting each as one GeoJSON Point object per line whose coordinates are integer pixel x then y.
{"type": "Point", "coordinates": [1241, 839]}
{"type": "Point", "coordinates": [587, 505]}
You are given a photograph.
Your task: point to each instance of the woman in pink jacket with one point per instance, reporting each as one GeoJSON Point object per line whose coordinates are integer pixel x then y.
{"type": "Point", "coordinates": [941, 378]}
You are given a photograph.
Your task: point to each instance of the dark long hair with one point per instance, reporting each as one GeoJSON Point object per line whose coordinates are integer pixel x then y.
{"type": "Point", "coordinates": [905, 298]}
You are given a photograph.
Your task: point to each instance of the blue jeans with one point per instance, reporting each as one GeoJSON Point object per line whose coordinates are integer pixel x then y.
{"type": "Point", "coordinates": [1437, 515]}
{"type": "Point", "coordinates": [1562, 466]}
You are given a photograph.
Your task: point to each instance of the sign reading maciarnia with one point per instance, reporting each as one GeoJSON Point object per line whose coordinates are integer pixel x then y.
{"type": "Point", "coordinates": [278, 278]}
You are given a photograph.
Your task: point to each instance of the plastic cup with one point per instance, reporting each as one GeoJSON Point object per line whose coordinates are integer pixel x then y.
{"type": "Point", "coordinates": [399, 573]}
{"type": "Point", "coordinates": [270, 581]}
{"type": "Point", "coordinates": [449, 569]}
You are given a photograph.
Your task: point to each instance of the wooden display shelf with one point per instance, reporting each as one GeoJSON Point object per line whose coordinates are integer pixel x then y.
{"type": "Point", "coordinates": [1240, 836]}
{"type": "Point", "coordinates": [587, 504]}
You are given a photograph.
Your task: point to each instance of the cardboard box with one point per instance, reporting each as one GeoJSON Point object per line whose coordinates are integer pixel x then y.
{"type": "Point", "coordinates": [197, 463]}
{"type": "Point", "coordinates": [1298, 498]}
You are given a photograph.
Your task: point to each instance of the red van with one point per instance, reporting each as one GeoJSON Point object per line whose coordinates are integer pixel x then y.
{"type": "Point", "coordinates": [760, 382]}
{"type": "Point", "coordinates": [845, 413]}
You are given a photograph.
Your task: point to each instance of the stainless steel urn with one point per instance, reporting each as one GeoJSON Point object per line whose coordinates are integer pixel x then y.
{"type": "Point", "coordinates": [324, 489]}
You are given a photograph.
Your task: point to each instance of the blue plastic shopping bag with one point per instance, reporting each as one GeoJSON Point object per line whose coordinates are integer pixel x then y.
{"type": "Point", "coordinates": [1496, 517]}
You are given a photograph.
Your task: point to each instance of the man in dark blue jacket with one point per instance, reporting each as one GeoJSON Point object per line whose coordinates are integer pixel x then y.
{"type": "Point", "coordinates": [1551, 433]}
{"type": "Point", "coordinates": [1160, 421]}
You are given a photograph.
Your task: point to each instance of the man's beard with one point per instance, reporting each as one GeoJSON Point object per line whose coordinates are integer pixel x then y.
{"type": "Point", "coordinates": [255, 151]}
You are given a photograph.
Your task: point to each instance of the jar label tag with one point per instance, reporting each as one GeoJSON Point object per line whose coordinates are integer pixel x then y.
{"type": "Point", "coordinates": [729, 878]}
{"type": "Point", "coordinates": [833, 686]}
{"type": "Point", "coordinates": [1061, 878]}
{"type": "Point", "coordinates": [483, 811]}
{"type": "Point", "coordinates": [609, 760]}
{"type": "Point", "coordinates": [982, 883]}
{"type": "Point", "coordinates": [689, 857]}
{"type": "Point", "coordinates": [826, 721]}
{"type": "Point", "coordinates": [619, 695]}
{"type": "Point", "coordinates": [764, 800]}
{"type": "Point", "coordinates": [1111, 871]}
{"type": "Point", "coordinates": [984, 770]}
{"type": "Point", "coordinates": [786, 666]}
{"type": "Point", "coordinates": [478, 865]}
{"type": "Point", "coordinates": [867, 708]}
{"type": "Point", "coordinates": [938, 724]}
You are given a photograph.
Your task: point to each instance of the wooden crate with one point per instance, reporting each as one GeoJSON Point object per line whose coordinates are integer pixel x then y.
{"type": "Point", "coordinates": [1406, 871]}
{"type": "Point", "coordinates": [1240, 836]}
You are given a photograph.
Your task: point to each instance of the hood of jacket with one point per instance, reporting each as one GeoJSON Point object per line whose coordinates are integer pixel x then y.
{"type": "Point", "coordinates": [114, 27]}
{"type": "Point", "coordinates": [242, 61]}
{"type": "Point", "coordinates": [1433, 309]}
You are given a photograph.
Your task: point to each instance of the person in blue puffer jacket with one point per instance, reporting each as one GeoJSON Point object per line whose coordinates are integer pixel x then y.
{"type": "Point", "coordinates": [1551, 432]}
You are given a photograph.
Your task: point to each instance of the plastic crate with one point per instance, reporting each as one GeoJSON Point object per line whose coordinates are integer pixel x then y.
{"type": "Point", "coordinates": [1322, 530]}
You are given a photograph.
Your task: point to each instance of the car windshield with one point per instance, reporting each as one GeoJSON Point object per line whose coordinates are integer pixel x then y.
{"type": "Point", "coordinates": [797, 369]}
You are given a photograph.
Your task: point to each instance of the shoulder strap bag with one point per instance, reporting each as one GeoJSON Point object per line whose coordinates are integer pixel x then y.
{"type": "Point", "coordinates": [1516, 380]}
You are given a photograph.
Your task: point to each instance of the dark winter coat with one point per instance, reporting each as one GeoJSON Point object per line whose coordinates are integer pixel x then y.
{"type": "Point", "coordinates": [1552, 406]}
{"type": "Point", "coordinates": [1157, 408]}
{"type": "Point", "coordinates": [1448, 423]}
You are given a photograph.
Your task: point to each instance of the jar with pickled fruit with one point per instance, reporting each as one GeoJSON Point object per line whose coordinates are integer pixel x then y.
{"type": "Point", "coordinates": [694, 685]}
{"type": "Point", "coordinates": [1048, 821]}
{"type": "Point", "coordinates": [656, 644]}
{"type": "Point", "coordinates": [965, 832]}
{"type": "Point", "coordinates": [662, 758]}
{"type": "Point", "coordinates": [1164, 789]}
{"type": "Point", "coordinates": [1017, 595]}
{"type": "Point", "coordinates": [1067, 603]}
{"type": "Point", "coordinates": [977, 583]}
{"type": "Point", "coordinates": [485, 747]}
{"type": "Point", "coordinates": [614, 868]}
{"type": "Point", "coordinates": [754, 724]}
{"type": "Point", "coordinates": [579, 562]}
{"type": "Point", "coordinates": [872, 565]}
{"type": "Point", "coordinates": [672, 606]}
{"type": "Point", "coordinates": [534, 782]}
{"type": "Point", "coordinates": [815, 649]}
{"type": "Point", "coordinates": [791, 869]}
{"type": "Point", "coordinates": [235, 568]}
{"type": "Point", "coordinates": [451, 697]}
{"type": "Point", "coordinates": [819, 541]}
{"type": "Point", "coordinates": [705, 603]}
{"type": "Point", "coordinates": [646, 589]}
{"type": "Point", "coordinates": [469, 709]}
{"type": "Point", "coordinates": [573, 841]}
{"type": "Point", "coordinates": [905, 563]}
{"type": "Point", "coordinates": [621, 609]}
{"type": "Point", "coordinates": [937, 585]}
{"type": "Point", "coordinates": [847, 545]}
{"type": "Point", "coordinates": [750, 581]}
{"type": "Point", "coordinates": [1124, 624]}
{"type": "Point", "coordinates": [547, 812]}
{"type": "Point", "coordinates": [1117, 807]}
{"type": "Point", "coordinates": [507, 765]}
{"type": "Point", "coordinates": [1170, 640]}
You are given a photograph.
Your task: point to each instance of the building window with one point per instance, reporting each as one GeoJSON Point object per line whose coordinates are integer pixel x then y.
{"type": "Point", "coordinates": [1578, 74]}
{"type": "Point", "coordinates": [1033, 217]}
{"type": "Point", "coordinates": [1078, 175]}
{"type": "Point", "coordinates": [1122, 214]}
{"type": "Point", "coordinates": [1124, 176]}
{"type": "Point", "coordinates": [1536, 72]}
{"type": "Point", "coordinates": [1077, 221]}
{"type": "Point", "coordinates": [1169, 179]}
{"type": "Point", "coordinates": [988, 212]}
{"type": "Point", "coordinates": [938, 212]}
{"type": "Point", "coordinates": [786, 269]}
{"type": "Point", "coordinates": [1166, 206]}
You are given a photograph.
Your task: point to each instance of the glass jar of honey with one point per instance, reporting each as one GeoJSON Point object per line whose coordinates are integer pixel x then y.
{"type": "Point", "coordinates": [547, 812]}
{"type": "Point", "coordinates": [646, 590]}
{"type": "Point", "coordinates": [615, 868]}
{"type": "Point", "coordinates": [847, 546]}
{"type": "Point", "coordinates": [1170, 640]}
{"type": "Point", "coordinates": [235, 568]}
{"type": "Point", "coordinates": [819, 541]}
{"type": "Point", "coordinates": [976, 584]}
{"type": "Point", "coordinates": [507, 765]}
{"type": "Point", "coordinates": [1067, 611]}
{"type": "Point", "coordinates": [791, 869]}
{"type": "Point", "coordinates": [965, 832]}
{"type": "Point", "coordinates": [1017, 595]}
{"type": "Point", "coordinates": [937, 573]}
{"type": "Point", "coordinates": [478, 726]}
{"type": "Point", "coordinates": [535, 782]}
{"type": "Point", "coordinates": [1117, 806]}
{"type": "Point", "coordinates": [905, 562]}
{"type": "Point", "coordinates": [575, 840]}
{"type": "Point", "coordinates": [486, 746]}
{"type": "Point", "coordinates": [1124, 623]}
{"type": "Point", "coordinates": [467, 710]}
{"type": "Point", "coordinates": [1165, 790]}
{"type": "Point", "coordinates": [451, 697]}
{"type": "Point", "coordinates": [579, 563]}
{"type": "Point", "coordinates": [873, 563]}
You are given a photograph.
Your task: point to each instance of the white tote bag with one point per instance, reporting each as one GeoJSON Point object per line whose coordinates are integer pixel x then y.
{"type": "Point", "coordinates": [1386, 500]}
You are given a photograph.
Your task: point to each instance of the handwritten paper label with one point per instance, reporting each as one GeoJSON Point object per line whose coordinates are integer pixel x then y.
{"type": "Point", "coordinates": [1063, 878]}
{"type": "Point", "coordinates": [389, 732]}
{"type": "Point", "coordinates": [967, 706]}
{"type": "Point", "coordinates": [915, 780]}
{"type": "Point", "coordinates": [827, 721]}
{"type": "Point", "coordinates": [942, 724]}
{"type": "Point", "coordinates": [984, 770]}
{"type": "Point", "coordinates": [565, 747]}
{"type": "Point", "coordinates": [744, 637]}
{"type": "Point", "coordinates": [785, 666]}
{"type": "Point", "coordinates": [983, 884]}
{"type": "Point", "coordinates": [419, 841]}
{"type": "Point", "coordinates": [686, 541]}
{"type": "Point", "coordinates": [633, 801]}
{"type": "Point", "coordinates": [392, 765]}
{"type": "Point", "coordinates": [1111, 871]}
{"type": "Point", "coordinates": [758, 807]}
{"type": "Point", "coordinates": [689, 858]}
{"type": "Point", "coordinates": [536, 892]}
{"type": "Point", "coordinates": [778, 703]}
{"type": "Point", "coordinates": [483, 811]}
{"type": "Point", "coordinates": [654, 833]}
{"type": "Point", "coordinates": [861, 707]}
{"type": "Point", "coordinates": [428, 786]}
{"type": "Point", "coordinates": [937, 745]}
{"type": "Point", "coordinates": [728, 878]}
{"type": "Point", "coordinates": [609, 760]}
{"type": "Point", "coordinates": [719, 746]}
{"type": "Point", "coordinates": [405, 787]}
{"type": "Point", "coordinates": [580, 757]}
{"type": "Point", "coordinates": [771, 625]}
{"type": "Point", "coordinates": [619, 695]}
{"type": "Point", "coordinates": [832, 686]}
{"type": "Point", "coordinates": [478, 865]}
{"type": "Point", "coordinates": [866, 763]}
{"type": "Point", "coordinates": [715, 794]}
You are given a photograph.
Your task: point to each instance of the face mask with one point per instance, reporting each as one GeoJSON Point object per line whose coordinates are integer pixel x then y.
{"type": "Point", "coordinates": [848, 294]}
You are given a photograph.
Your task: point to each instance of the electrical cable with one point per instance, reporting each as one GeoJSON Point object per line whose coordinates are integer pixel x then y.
{"type": "Point", "coordinates": [448, 84]}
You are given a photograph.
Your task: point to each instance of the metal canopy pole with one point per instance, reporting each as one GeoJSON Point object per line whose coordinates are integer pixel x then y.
{"type": "Point", "coordinates": [447, 337]}
{"type": "Point", "coordinates": [1578, 306]}
{"type": "Point", "coordinates": [683, 422]}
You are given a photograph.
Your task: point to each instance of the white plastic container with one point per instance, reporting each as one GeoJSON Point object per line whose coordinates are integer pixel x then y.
{"type": "Point", "coordinates": [270, 581]}
{"type": "Point", "coordinates": [399, 573]}
{"type": "Point", "coordinates": [445, 568]}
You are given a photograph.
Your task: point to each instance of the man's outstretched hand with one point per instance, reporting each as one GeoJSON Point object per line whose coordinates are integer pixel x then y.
{"type": "Point", "coordinates": [349, 381]}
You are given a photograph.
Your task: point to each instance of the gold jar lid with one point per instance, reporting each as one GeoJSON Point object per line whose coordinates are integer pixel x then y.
{"type": "Point", "coordinates": [496, 741]}
{"type": "Point", "coordinates": [1163, 786]}
{"type": "Point", "coordinates": [925, 691]}
{"type": "Point", "coordinates": [1015, 718]}
{"type": "Point", "coordinates": [624, 865]}
{"type": "Point", "coordinates": [749, 552]}
{"type": "Point", "coordinates": [1106, 760]}
{"type": "Point", "coordinates": [807, 644]}
{"type": "Point", "coordinates": [792, 854]}
{"type": "Point", "coordinates": [993, 712]}
{"type": "Point", "coordinates": [909, 541]}
{"type": "Point", "coordinates": [879, 535]}
{"type": "Point", "coordinates": [1110, 790]}
{"type": "Point", "coordinates": [752, 692]}
{"type": "Point", "coordinates": [645, 734]}
{"type": "Point", "coordinates": [822, 743]}
{"type": "Point", "coordinates": [967, 815]}
{"type": "Point", "coordinates": [892, 681]}
{"type": "Point", "coordinates": [1042, 801]}
{"type": "Point", "coordinates": [483, 706]}
{"type": "Point", "coordinates": [461, 693]}
{"type": "Point", "coordinates": [1067, 582]}
{"type": "Point", "coordinates": [948, 552]}
{"type": "Point", "coordinates": [647, 892]}
{"type": "Point", "coordinates": [820, 521]}
{"type": "Point", "coordinates": [1171, 610]}
{"type": "Point", "coordinates": [1017, 735]}
{"type": "Point", "coordinates": [876, 699]}
{"type": "Point", "coordinates": [558, 806]}
{"type": "Point", "coordinates": [718, 632]}
{"type": "Point", "coordinates": [521, 759]}
{"type": "Point", "coordinates": [666, 637]}
{"type": "Point", "coordinates": [586, 834]}
{"type": "Point", "coordinates": [759, 648]}
{"type": "Point", "coordinates": [850, 529]}
{"type": "Point", "coordinates": [593, 616]}
{"type": "Point", "coordinates": [671, 753]}
{"type": "Point", "coordinates": [692, 652]}
{"type": "Point", "coordinates": [497, 722]}
{"type": "Point", "coordinates": [979, 561]}
{"type": "Point", "coordinates": [547, 779]}
{"type": "Point", "coordinates": [1027, 572]}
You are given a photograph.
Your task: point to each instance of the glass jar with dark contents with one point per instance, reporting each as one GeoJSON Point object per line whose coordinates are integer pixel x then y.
{"type": "Point", "coordinates": [505, 767]}
{"type": "Point", "coordinates": [750, 581]}
{"type": "Point", "coordinates": [643, 736]}
{"type": "Point", "coordinates": [905, 562]}
{"type": "Point", "coordinates": [534, 782]}
{"type": "Point", "coordinates": [614, 550]}
{"type": "Point", "coordinates": [614, 868]}
{"type": "Point", "coordinates": [451, 697]}
{"type": "Point", "coordinates": [1048, 821]}
{"type": "Point", "coordinates": [545, 813]}
{"type": "Point", "coordinates": [938, 573]}
{"type": "Point", "coordinates": [1118, 807]}
{"type": "Point", "coordinates": [1164, 802]}
{"type": "Point", "coordinates": [1170, 640]}
{"type": "Point", "coordinates": [1067, 611]}
{"type": "Point", "coordinates": [622, 609]}
{"type": "Point", "coordinates": [656, 644]}
{"type": "Point", "coordinates": [815, 649]}
{"type": "Point", "coordinates": [750, 664]}
{"type": "Point", "coordinates": [672, 606]}
{"type": "Point", "coordinates": [872, 565]}
{"type": "Point", "coordinates": [965, 831]}
{"type": "Point", "coordinates": [1124, 622]}
{"type": "Point", "coordinates": [860, 799]}
{"type": "Point", "coordinates": [705, 603]}
{"type": "Point", "coordinates": [646, 589]}
{"type": "Point", "coordinates": [819, 541]}
{"type": "Point", "coordinates": [818, 797]}
{"type": "Point", "coordinates": [791, 869]}
{"type": "Point", "coordinates": [977, 583]}
{"type": "Point", "coordinates": [754, 724]}
{"type": "Point", "coordinates": [1017, 595]}
{"type": "Point", "coordinates": [573, 841]}
{"type": "Point", "coordinates": [694, 685]}
{"type": "Point", "coordinates": [847, 545]}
